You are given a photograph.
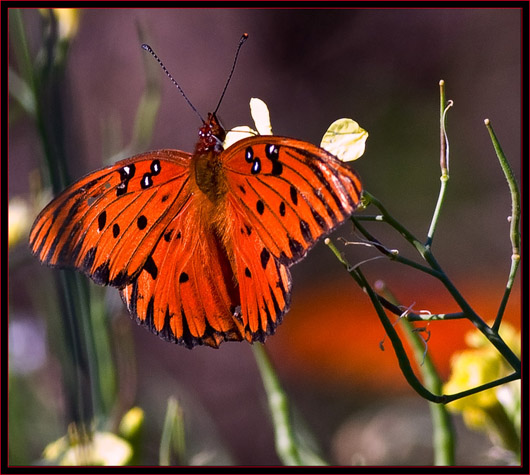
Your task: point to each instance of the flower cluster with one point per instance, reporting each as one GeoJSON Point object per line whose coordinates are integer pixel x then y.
{"type": "Point", "coordinates": [496, 411]}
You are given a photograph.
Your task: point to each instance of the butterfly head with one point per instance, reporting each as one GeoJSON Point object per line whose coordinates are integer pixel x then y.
{"type": "Point", "coordinates": [211, 135]}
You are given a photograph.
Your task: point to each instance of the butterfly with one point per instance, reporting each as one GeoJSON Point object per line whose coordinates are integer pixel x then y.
{"type": "Point", "coordinates": [200, 244]}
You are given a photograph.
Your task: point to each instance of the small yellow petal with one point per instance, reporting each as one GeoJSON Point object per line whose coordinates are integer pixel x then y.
{"type": "Point", "coordinates": [475, 418]}
{"type": "Point", "coordinates": [345, 139]}
{"type": "Point", "coordinates": [471, 368]}
{"type": "Point", "coordinates": [131, 422]}
{"type": "Point", "coordinates": [67, 20]}
{"type": "Point", "coordinates": [19, 220]}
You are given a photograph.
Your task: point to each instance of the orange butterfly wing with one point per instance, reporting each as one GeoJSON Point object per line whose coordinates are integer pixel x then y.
{"type": "Point", "coordinates": [284, 194]}
{"type": "Point", "coordinates": [200, 267]}
{"type": "Point", "coordinates": [140, 225]}
{"type": "Point", "coordinates": [188, 295]}
{"type": "Point", "coordinates": [108, 223]}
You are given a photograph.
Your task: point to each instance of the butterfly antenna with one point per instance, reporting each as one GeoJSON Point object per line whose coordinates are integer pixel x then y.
{"type": "Point", "coordinates": [150, 50]}
{"type": "Point", "coordinates": [241, 41]}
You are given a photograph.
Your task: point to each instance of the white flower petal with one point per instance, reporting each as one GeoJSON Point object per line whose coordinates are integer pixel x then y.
{"type": "Point", "coordinates": [261, 116]}
{"type": "Point", "coordinates": [238, 133]}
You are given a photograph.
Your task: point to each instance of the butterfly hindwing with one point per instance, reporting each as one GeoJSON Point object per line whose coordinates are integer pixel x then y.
{"type": "Point", "coordinates": [186, 293]}
{"type": "Point", "coordinates": [264, 282]}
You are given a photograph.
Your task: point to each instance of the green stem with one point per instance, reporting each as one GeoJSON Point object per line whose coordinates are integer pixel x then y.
{"type": "Point", "coordinates": [428, 256]}
{"type": "Point", "coordinates": [401, 354]}
{"type": "Point", "coordinates": [286, 444]}
{"type": "Point", "coordinates": [20, 48]}
{"type": "Point", "coordinates": [173, 435]}
{"type": "Point", "coordinates": [45, 81]}
{"type": "Point", "coordinates": [387, 217]}
{"type": "Point", "coordinates": [491, 334]}
{"type": "Point", "coordinates": [392, 255]}
{"type": "Point", "coordinates": [443, 431]}
{"type": "Point", "coordinates": [444, 165]}
{"type": "Point", "coordinates": [515, 217]}
{"type": "Point", "coordinates": [75, 368]}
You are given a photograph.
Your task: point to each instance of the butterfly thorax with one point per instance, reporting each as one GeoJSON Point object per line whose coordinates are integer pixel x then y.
{"type": "Point", "coordinates": [206, 160]}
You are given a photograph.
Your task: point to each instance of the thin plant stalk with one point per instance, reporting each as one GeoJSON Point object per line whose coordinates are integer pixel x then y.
{"type": "Point", "coordinates": [286, 445]}
{"type": "Point", "coordinates": [435, 270]}
{"type": "Point", "coordinates": [428, 256]}
{"type": "Point", "coordinates": [515, 217]}
{"type": "Point", "coordinates": [43, 81]}
{"type": "Point", "coordinates": [404, 363]}
{"type": "Point", "coordinates": [444, 165]}
{"type": "Point", "coordinates": [443, 430]}
{"type": "Point", "coordinates": [173, 435]}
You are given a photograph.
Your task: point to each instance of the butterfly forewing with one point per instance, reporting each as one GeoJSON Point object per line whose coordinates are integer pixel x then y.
{"type": "Point", "coordinates": [108, 223]}
{"type": "Point", "coordinates": [289, 191]}
{"type": "Point", "coordinates": [284, 195]}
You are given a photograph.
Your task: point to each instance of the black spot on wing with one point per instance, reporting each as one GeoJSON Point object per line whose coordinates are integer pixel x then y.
{"type": "Point", "coordinates": [319, 219]}
{"type": "Point", "coordinates": [282, 209]}
{"type": "Point", "coordinates": [147, 181]}
{"type": "Point", "coordinates": [272, 152]}
{"type": "Point", "coordinates": [294, 195]}
{"type": "Point", "coordinates": [151, 268]}
{"type": "Point", "coordinates": [149, 315]}
{"type": "Point", "coordinates": [155, 167]}
{"type": "Point", "coordinates": [260, 207]}
{"type": "Point", "coordinates": [249, 154]}
{"type": "Point", "coordinates": [102, 220]}
{"type": "Point", "coordinates": [121, 280]}
{"type": "Point", "coordinates": [306, 231]}
{"type": "Point", "coordinates": [277, 168]}
{"type": "Point", "coordinates": [141, 222]}
{"type": "Point", "coordinates": [264, 258]}
{"type": "Point", "coordinates": [166, 332]}
{"type": "Point", "coordinates": [126, 174]}
{"type": "Point", "coordinates": [187, 339]}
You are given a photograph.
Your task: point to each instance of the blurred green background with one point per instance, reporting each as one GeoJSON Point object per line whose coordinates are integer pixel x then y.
{"type": "Point", "coordinates": [311, 67]}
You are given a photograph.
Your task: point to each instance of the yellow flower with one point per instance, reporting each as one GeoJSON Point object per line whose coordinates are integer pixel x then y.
{"type": "Point", "coordinates": [131, 423]}
{"type": "Point", "coordinates": [471, 368]}
{"type": "Point", "coordinates": [19, 220]}
{"type": "Point", "coordinates": [496, 410]}
{"type": "Point", "coordinates": [479, 365]}
{"type": "Point", "coordinates": [67, 20]}
{"type": "Point", "coordinates": [105, 448]}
